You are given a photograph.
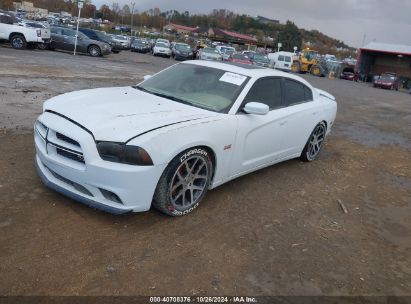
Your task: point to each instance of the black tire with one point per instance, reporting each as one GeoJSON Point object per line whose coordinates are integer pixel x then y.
{"type": "Point", "coordinates": [43, 46]}
{"type": "Point", "coordinates": [314, 143]}
{"type": "Point", "coordinates": [18, 42]}
{"type": "Point", "coordinates": [179, 180]}
{"type": "Point", "coordinates": [116, 52]}
{"type": "Point", "coordinates": [94, 51]}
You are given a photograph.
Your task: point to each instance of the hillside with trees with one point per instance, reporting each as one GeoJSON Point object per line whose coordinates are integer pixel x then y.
{"type": "Point", "coordinates": [288, 34]}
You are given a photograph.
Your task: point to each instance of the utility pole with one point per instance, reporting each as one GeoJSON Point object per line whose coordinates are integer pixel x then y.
{"type": "Point", "coordinates": [132, 15]}
{"type": "Point", "coordinates": [80, 4]}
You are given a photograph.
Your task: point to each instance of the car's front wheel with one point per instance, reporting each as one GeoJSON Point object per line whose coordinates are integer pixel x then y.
{"type": "Point", "coordinates": [314, 143]}
{"type": "Point", "coordinates": [184, 182]}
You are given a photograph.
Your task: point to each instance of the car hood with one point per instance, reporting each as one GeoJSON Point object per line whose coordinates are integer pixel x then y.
{"type": "Point", "coordinates": [119, 114]}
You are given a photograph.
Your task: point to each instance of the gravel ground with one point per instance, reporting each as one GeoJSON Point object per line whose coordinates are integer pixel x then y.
{"type": "Point", "coordinates": [278, 231]}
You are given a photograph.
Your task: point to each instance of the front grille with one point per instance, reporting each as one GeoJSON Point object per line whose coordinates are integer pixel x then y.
{"type": "Point", "coordinates": [68, 154]}
{"type": "Point", "coordinates": [76, 186]}
{"type": "Point", "coordinates": [67, 139]}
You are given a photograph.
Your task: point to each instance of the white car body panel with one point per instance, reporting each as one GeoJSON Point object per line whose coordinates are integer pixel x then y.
{"type": "Point", "coordinates": [240, 142]}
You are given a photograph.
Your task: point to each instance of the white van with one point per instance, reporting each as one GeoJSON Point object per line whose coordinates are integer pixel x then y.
{"type": "Point", "coordinates": [281, 60]}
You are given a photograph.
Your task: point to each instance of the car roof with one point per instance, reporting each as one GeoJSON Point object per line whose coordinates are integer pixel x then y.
{"type": "Point", "coordinates": [246, 69]}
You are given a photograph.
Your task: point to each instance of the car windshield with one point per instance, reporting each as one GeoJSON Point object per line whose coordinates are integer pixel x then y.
{"type": "Point", "coordinates": [240, 57]}
{"type": "Point", "coordinates": [387, 77]}
{"type": "Point", "coordinates": [210, 50]}
{"type": "Point", "coordinates": [203, 87]}
{"type": "Point", "coordinates": [183, 47]}
{"type": "Point", "coordinates": [160, 44]}
{"type": "Point", "coordinates": [260, 57]}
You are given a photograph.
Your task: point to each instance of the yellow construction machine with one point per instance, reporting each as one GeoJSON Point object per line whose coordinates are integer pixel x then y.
{"type": "Point", "coordinates": [307, 62]}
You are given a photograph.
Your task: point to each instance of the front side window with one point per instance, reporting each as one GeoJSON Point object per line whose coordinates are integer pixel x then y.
{"type": "Point", "coordinates": [199, 86]}
{"type": "Point", "coordinates": [266, 90]}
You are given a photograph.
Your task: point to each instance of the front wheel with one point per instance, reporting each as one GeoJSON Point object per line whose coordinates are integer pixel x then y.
{"type": "Point", "coordinates": [314, 143]}
{"type": "Point", "coordinates": [184, 182]}
{"type": "Point", "coordinates": [94, 51]}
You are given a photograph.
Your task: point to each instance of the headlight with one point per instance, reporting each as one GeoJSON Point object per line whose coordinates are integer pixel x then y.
{"type": "Point", "coordinates": [191, 53]}
{"type": "Point", "coordinates": [177, 52]}
{"type": "Point", "coordinates": [125, 154]}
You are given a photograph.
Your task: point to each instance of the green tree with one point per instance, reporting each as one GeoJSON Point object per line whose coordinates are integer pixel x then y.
{"type": "Point", "coordinates": [290, 36]}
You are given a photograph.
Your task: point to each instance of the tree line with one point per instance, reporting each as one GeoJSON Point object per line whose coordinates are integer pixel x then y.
{"type": "Point", "coordinates": [288, 34]}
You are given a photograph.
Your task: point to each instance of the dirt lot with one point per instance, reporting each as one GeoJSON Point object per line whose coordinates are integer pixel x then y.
{"type": "Point", "coordinates": [279, 231]}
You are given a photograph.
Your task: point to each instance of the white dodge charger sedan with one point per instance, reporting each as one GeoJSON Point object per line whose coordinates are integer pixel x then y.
{"type": "Point", "coordinates": [177, 134]}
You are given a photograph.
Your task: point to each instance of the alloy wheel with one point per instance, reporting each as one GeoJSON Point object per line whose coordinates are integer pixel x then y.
{"type": "Point", "coordinates": [189, 182]}
{"type": "Point", "coordinates": [316, 141]}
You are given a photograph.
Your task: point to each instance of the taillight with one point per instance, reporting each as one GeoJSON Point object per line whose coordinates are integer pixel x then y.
{"type": "Point", "coordinates": [38, 33]}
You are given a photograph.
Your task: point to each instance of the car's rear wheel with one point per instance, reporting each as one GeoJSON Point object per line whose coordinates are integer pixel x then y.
{"type": "Point", "coordinates": [314, 143]}
{"type": "Point", "coordinates": [18, 42]}
{"type": "Point", "coordinates": [184, 182]}
{"type": "Point", "coordinates": [94, 51]}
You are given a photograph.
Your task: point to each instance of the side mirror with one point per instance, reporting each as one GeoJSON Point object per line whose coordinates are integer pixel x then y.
{"type": "Point", "coordinates": [257, 108]}
{"type": "Point", "coordinates": [146, 77]}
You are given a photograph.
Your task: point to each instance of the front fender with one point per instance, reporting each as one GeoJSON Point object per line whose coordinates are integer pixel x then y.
{"type": "Point", "coordinates": [217, 133]}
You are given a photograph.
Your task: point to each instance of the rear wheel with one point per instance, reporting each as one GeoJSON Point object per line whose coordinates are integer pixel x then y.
{"type": "Point", "coordinates": [314, 143]}
{"type": "Point", "coordinates": [94, 51]}
{"type": "Point", "coordinates": [184, 182]}
{"type": "Point", "coordinates": [43, 46]}
{"type": "Point", "coordinates": [18, 42]}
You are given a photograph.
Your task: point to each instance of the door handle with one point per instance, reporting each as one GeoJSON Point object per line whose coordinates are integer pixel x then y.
{"type": "Point", "coordinates": [314, 113]}
{"type": "Point", "coordinates": [282, 123]}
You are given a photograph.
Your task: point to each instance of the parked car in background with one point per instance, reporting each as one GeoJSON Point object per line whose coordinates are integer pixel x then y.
{"type": "Point", "coordinates": [63, 38]}
{"type": "Point", "coordinates": [281, 60]}
{"type": "Point", "coordinates": [239, 58]}
{"type": "Point", "coordinates": [162, 49]}
{"type": "Point", "coordinates": [182, 51]}
{"type": "Point", "coordinates": [140, 46]}
{"type": "Point", "coordinates": [121, 41]}
{"type": "Point", "coordinates": [21, 37]}
{"type": "Point", "coordinates": [227, 53]}
{"type": "Point", "coordinates": [224, 48]}
{"type": "Point", "coordinates": [195, 126]}
{"type": "Point", "coordinates": [347, 76]}
{"type": "Point", "coordinates": [165, 41]}
{"type": "Point", "coordinates": [116, 47]}
{"type": "Point", "coordinates": [248, 53]}
{"type": "Point", "coordinates": [260, 60]}
{"type": "Point", "coordinates": [387, 81]}
{"type": "Point", "coordinates": [209, 53]}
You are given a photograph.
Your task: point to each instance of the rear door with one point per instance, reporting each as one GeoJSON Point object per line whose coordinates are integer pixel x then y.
{"type": "Point", "coordinates": [68, 39]}
{"type": "Point", "coordinates": [57, 38]}
{"type": "Point", "coordinates": [302, 115]}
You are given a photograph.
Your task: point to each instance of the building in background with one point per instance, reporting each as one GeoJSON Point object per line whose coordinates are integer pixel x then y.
{"type": "Point", "coordinates": [30, 9]}
{"type": "Point", "coordinates": [376, 58]}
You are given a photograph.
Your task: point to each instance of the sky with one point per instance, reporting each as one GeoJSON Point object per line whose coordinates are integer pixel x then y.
{"type": "Point", "coordinates": [386, 21]}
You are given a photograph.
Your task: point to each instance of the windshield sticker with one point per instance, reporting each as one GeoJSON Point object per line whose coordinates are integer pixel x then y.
{"type": "Point", "coordinates": [233, 78]}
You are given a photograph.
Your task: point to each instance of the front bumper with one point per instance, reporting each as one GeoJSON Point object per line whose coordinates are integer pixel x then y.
{"type": "Point", "coordinates": [112, 187]}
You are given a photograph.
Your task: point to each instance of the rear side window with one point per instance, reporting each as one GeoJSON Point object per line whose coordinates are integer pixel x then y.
{"type": "Point", "coordinates": [266, 90]}
{"type": "Point", "coordinates": [308, 94]}
{"type": "Point", "coordinates": [287, 59]}
{"type": "Point", "coordinates": [294, 92]}
{"type": "Point", "coordinates": [69, 33]}
{"type": "Point", "coordinates": [281, 58]}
